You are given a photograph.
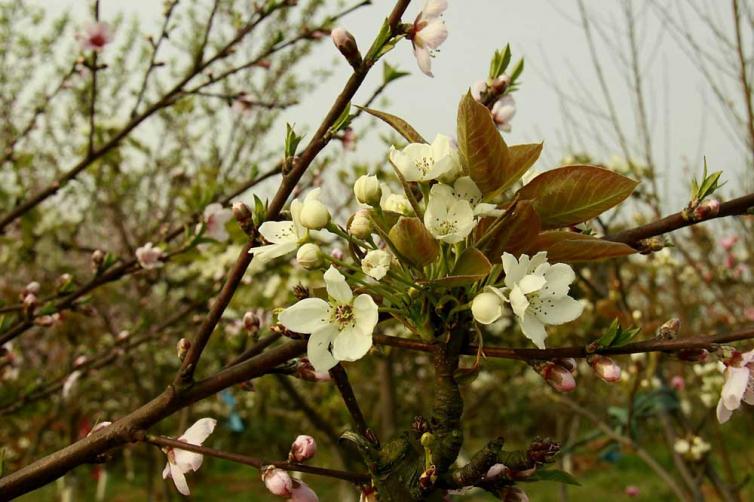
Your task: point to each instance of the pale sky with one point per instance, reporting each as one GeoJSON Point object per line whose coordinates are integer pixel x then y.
{"type": "Point", "coordinates": [681, 109]}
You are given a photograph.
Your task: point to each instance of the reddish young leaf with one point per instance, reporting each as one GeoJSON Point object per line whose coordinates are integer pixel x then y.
{"type": "Point", "coordinates": [568, 247]}
{"type": "Point", "coordinates": [521, 158]}
{"type": "Point", "coordinates": [471, 267]}
{"type": "Point", "coordinates": [413, 240]}
{"type": "Point", "coordinates": [484, 154]}
{"type": "Point", "coordinates": [515, 234]}
{"type": "Point", "coordinates": [573, 194]}
{"type": "Point", "coordinates": [401, 126]}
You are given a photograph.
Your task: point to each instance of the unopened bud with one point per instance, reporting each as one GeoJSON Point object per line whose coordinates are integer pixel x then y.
{"type": "Point", "coordinates": [242, 214]}
{"type": "Point", "coordinates": [302, 449]}
{"type": "Point", "coordinates": [605, 368]}
{"type": "Point", "coordinates": [346, 44]}
{"type": "Point", "coordinates": [361, 225]}
{"type": "Point", "coordinates": [123, 335]}
{"type": "Point", "coordinates": [309, 256]}
{"type": "Point", "coordinates": [251, 322]}
{"type": "Point", "coordinates": [337, 253]}
{"type": "Point", "coordinates": [558, 377]}
{"type": "Point", "coordinates": [314, 214]}
{"type": "Point", "coordinates": [500, 84]}
{"type": "Point", "coordinates": [678, 383]}
{"type": "Point", "coordinates": [30, 301]}
{"type": "Point", "coordinates": [428, 478]}
{"type": "Point", "coordinates": [420, 424]}
{"type": "Point", "coordinates": [277, 481]}
{"type": "Point", "coordinates": [182, 348]}
{"type": "Point", "coordinates": [97, 259]}
{"type": "Point", "coordinates": [367, 190]}
{"type": "Point", "coordinates": [707, 209]}
{"type": "Point", "coordinates": [669, 329]}
{"type": "Point", "coordinates": [79, 361]}
{"type": "Point", "coordinates": [32, 288]}
{"type": "Point", "coordinates": [495, 472]}
{"type": "Point", "coordinates": [300, 292]}
{"type": "Point", "coordinates": [568, 363]}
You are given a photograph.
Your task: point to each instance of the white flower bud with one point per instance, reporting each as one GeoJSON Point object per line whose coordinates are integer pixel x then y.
{"type": "Point", "coordinates": [486, 307]}
{"type": "Point", "coordinates": [346, 44]}
{"type": "Point", "coordinates": [367, 190]}
{"type": "Point", "coordinates": [309, 256]}
{"type": "Point", "coordinates": [182, 348]}
{"type": "Point", "coordinates": [376, 263]}
{"type": "Point", "coordinates": [361, 225]}
{"type": "Point", "coordinates": [314, 214]}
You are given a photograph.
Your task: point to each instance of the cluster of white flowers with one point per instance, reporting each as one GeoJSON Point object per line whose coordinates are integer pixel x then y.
{"type": "Point", "coordinates": [693, 448]}
{"type": "Point", "coordinates": [537, 292]}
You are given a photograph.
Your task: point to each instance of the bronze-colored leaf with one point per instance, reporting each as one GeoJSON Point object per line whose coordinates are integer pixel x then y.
{"type": "Point", "coordinates": [515, 234]}
{"type": "Point", "coordinates": [520, 160]}
{"type": "Point", "coordinates": [484, 154]}
{"type": "Point", "coordinates": [573, 194]}
{"type": "Point", "coordinates": [471, 267]}
{"type": "Point", "coordinates": [412, 239]}
{"type": "Point", "coordinates": [569, 247]}
{"type": "Point", "coordinates": [401, 126]}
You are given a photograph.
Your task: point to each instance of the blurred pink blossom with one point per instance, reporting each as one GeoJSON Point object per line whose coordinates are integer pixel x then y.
{"type": "Point", "coordinates": [95, 37]}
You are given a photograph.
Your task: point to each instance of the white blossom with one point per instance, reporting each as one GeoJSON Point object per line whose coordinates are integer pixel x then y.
{"type": "Point", "coordinates": [149, 256]}
{"type": "Point", "coordinates": [539, 294]}
{"type": "Point", "coordinates": [395, 202]}
{"type": "Point", "coordinates": [215, 218]}
{"type": "Point", "coordinates": [181, 461]}
{"type": "Point", "coordinates": [739, 385]}
{"type": "Point", "coordinates": [340, 328]}
{"type": "Point", "coordinates": [428, 33]}
{"type": "Point", "coordinates": [376, 263]}
{"type": "Point", "coordinates": [465, 188]}
{"type": "Point", "coordinates": [422, 162]}
{"type": "Point", "coordinates": [447, 217]}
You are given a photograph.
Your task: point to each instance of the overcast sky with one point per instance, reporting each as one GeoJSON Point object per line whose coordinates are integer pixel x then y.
{"type": "Point", "coordinates": [549, 35]}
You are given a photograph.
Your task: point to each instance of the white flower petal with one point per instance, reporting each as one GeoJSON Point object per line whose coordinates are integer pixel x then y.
{"type": "Point", "coordinates": [337, 287]}
{"type": "Point", "coordinates": [723, 413]}
{"type": "Point", "coordinates": [531, 283]}
{"type": "Point", "coordinates": [515, 270]}
{"type": "Point", "coordinates": [351, 344]}
{"type": "Point", "coordinates": [306, 316]}
{"type": "Point", "coordinates": [433, 8]}
{"type": "Point", "coordinates": [556, 310]}
{"type": "Point", "coordinates": [318, 349]}
{"type": "Point", "coordinates": [166, 471]}
{"type": "Point", "coordinates": [197, 433]}
{"type": "Point", "coordinates": [465, 188]}
{"type": "Point", "coordinates": [433, 34]}
{"type": "Point", "coordinates": [736, 380]}
{"type": "Point", "coordinates": [423, 59]}
{"type": "Point", "coordinates": [187, 460]}
{"type": "Point", "coordinates": [534, 330]}
{"type": "Point", "coordinates": [179, 479]}
{"type": "Point", "coordinates": [278, 232]}
{"type": "Point", "coordinates": [365, 313]}
{"type": "Point", "coordinates": [519, 302]}
{"type": "Point", "coordinates": [559, 278]}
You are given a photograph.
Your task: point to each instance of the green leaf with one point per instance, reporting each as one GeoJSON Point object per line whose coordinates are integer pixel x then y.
{"type": "Point", "coordinates": [397, 123]}
{"type": "Point", "coordinates": [484, 154]}
{"type": "Point", "coordinates": [573, 194]}
{"type": "Point", "coordinates": [343, 120]}
{"type": "Point", "coordinates": [569, 247]}
{"type": "Point", "coordinates": [391, 73]}
{"type": "Point", "coordinates": [607, 338]}
{"type": "Point", "coordinates": [519, 68]}
{"type": "Point", "coordinates": [500, 61]}
{"type": "Point", "coordinates": [291, 141]}
{"type": "Point", "coordinates": [412, 239]}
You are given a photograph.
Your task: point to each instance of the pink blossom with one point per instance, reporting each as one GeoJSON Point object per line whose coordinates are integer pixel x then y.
{"type": "Point", "coordinates": [95, 37]}
{"type": "Point", "coordinates": [678, 383]}
{"type": "Point", "coordinates": [632, 491]}
{"type": "Point", "coordinates": [749, 313]}
{"type": "Point", "coordinates": [348, 139]}
{"type": "Point", "coordinates": [503, 111]}
{"type": "Point", "coordinates": [215, 218]}
{"type": "Point", "coordinates": [302, 493]}
{"type": "Point", "coordinates": [181, 461]}
{"type": "Point", "coordinates": [739, 384]}
{"type": "Point", "coordinates": [277, 481]}
{"type": "Point", "coordinates": [302, 449]}
{"type": "Point", "coordinates": [479, 87]}
{"type": "Point", "coordinates": [149, 256]}
{"type": "Point", "coordinates": [728, 242]}
{"type": "Point", "coordinates": [605, 368]}
{"type": "Point", "coordinates": [428, 33]}
{"type": "Point", "coordinates": [242, 104]}
{"type": "Point", "coordinates": [559, 378]}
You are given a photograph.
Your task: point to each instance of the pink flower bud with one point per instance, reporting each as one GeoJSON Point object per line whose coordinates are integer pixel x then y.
{"type": "Point", "coordinates": [605, 368]}
{"type": "Point", "coordinates": [496, 471]}
{"type": "Point", "coordinates": [568, 363]}
{"type": "Point", "coordinates": [79, 361]}
{"type": "Point", "coordinates": [277, 481]}
{"type": "Point", "coordinates": [337, 253]}
{"type": "Point", "coordinates": [302, 493]}
{"type": "Point", "coordinates": [678, 383]}
{"type": "Point", "coordinates": [346, 44]}
{"type": "Point", "coordinates": [302, 449]}
{"type": "Point", "coordinates": [32, 288]}
{"type": "Point", "coordinates": [632, 491]}
{"type": "Point", "coordinates": [559, 378]}
{"type": "Point", "coordinates": [30, 301]}
{"type": "Point", "coordinates": [727, 243]}
{"type": "Point", "coordinates": [707, 209]}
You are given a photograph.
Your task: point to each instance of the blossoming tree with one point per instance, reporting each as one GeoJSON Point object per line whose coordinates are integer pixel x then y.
{"type": "Point", "coordinates": [453, 239]}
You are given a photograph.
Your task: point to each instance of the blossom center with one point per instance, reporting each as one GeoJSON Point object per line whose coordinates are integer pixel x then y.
{"type": "Point", "coordinates": [342, 316]}
{"type": "Point", "coordinates": [424, 164]}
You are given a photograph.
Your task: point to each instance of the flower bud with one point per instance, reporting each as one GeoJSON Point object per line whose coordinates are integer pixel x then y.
{"type": "Point", "coordinates": [309, 256]}
{"type": "Point", "coordinates": [428, 478]}
{"type": "Point", "coordinates": [243, 216]}
{"type": "Point", "coordinates": [707, 209]}
{"type": "Point", "coordinates": [182, 348]}
{"type": "Point", "coordinates": [568, 363]}
{"type": "Point", "coordinates": [123, 335]}
{"type": "Point", "coordinates": [486, 307]}
{"type": "Point", "coordinates": [251, 322]}
{"type": "Point", "coordinates": [632, 491]}
{"type": "Point", "coordinates": [669, 329]}
{"type": "Point", "coordinates": [368, 494]}
{"type": "Point", "coordinates": [678, 383]}
{"type": "Point", "coordinates": [361, 225]}
{"type": "Point", "coordinates": [337, 253]}
{"type": "Point", "coordinates": [605, 368]}
{"type": "Point", "coordinates": [277, 481]}
{"type": "Point", "coordinates": [346, 44]}
{"type": "Point", "coordinates": [302, 449]}
{"type": "Point", "coordinates": [302, 493]}
{"type": "Point", "coordinates": [79, 361]}
{"type": "Point", "coordinates": [500, 84]}
{"type": "Point", "coordinates": [558, 377]}
{"type": "Point", "coordinates": [30, 301]}
{"type": "Point", "coordinates": [98, 258]}
{"type": "Point", "coordinates": [314, 214]}
{"type": "Point", "coordinates": [367, 190]}
{"type": "Point", "coordinates": [495, 471]}
{"type": "Point", "coordinates": [98, 428]}
{"type": "Point", "coordinates": [693, 355]}
{"type": "Point", "coordinates": [32, 288]}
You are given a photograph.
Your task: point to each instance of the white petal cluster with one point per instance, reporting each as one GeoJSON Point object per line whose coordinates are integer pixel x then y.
{"type": "Point", "coordinates": [340, 329]}
{"type": "Point", "coordinates": [739, 385]}
{"type": "Point", "coordinates": [448, 218]}
{"type": "Point", "coordinates": [376, 263]}
{"type": "Point", "coordinates": [181, 461]}
{"type": "Point", "coordinates": [422, 162]}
